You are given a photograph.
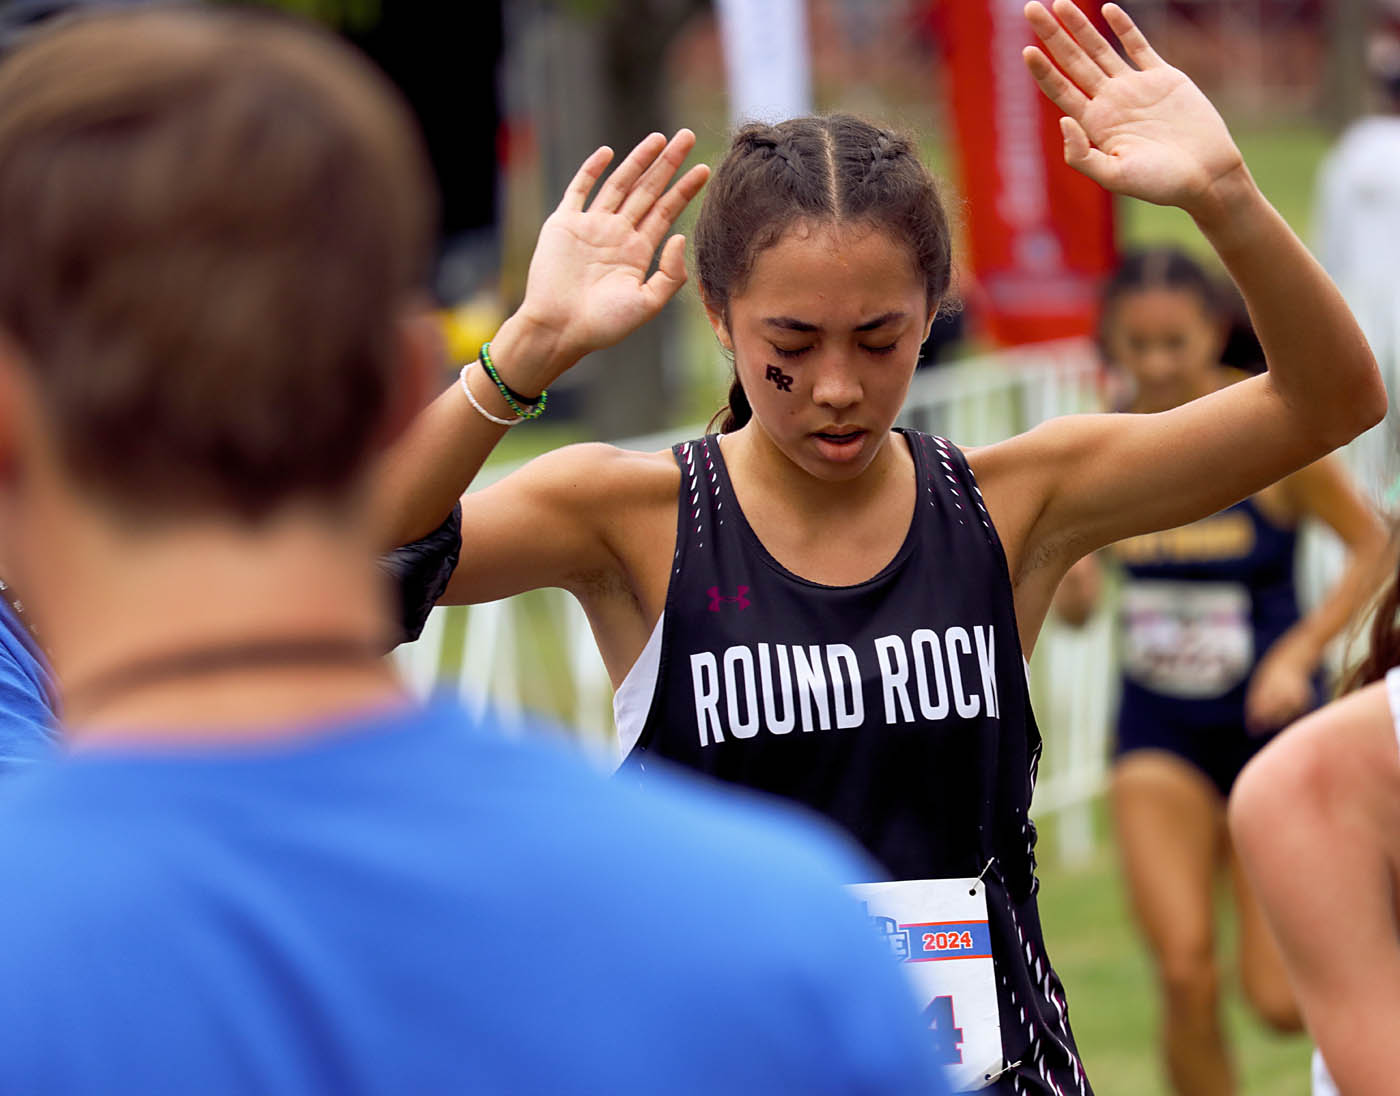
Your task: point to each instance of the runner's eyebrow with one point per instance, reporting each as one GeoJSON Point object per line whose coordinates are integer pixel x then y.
{"type": "Point", "coordinates": [880, 321]}
{"type": "Point", "coordinates": [788, 323]}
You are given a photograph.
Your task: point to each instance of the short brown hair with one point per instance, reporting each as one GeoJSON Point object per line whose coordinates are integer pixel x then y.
{"type": "Point", "coordinates": [210, 221]}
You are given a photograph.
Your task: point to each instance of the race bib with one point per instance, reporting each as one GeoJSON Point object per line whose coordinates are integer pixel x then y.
{"type": "Point", "coordinates": [1189, 640]}
{"type": "Point", "coordinates": [938, 929]}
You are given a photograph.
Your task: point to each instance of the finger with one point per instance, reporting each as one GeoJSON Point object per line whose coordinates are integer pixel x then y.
{"type": "Point", "coordinates": [1068, 54]}
{"type": "Point", "coordinates": [651, 185]}
{"type": "Point", "coordinates": [1052, 81]}
{"type": "Point", "coordinates": [587, 175]}
{"type": "Point", "coordinates": [1083, 31]}
{"type": "Point", "coordinates": [625, 175]}
{"type": "Point", "coordinates": [668, 207]}
{"type": "Point", "coordinates": [1084, 157]}
{"type": "Point", "coordinates": [1135, 43]}
{"type": "Point", "coordinates": [669, 275]}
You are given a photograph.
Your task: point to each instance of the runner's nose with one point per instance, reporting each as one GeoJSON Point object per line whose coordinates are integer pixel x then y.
{"type": "Point", "coordinates": [836, 383]}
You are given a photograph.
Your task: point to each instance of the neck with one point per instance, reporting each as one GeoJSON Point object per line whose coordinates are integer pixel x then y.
{"type": "Point", "coordinates": [208, 628]}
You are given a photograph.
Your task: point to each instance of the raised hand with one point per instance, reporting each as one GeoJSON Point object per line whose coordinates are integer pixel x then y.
{"type": "Point", "coordinates": [1144, 131]}
{"type": "Point", "coordinates": [587, 286]}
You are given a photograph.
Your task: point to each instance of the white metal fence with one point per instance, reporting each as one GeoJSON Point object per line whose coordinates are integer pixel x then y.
{"type": "Point", "coordinates": [536, 652]}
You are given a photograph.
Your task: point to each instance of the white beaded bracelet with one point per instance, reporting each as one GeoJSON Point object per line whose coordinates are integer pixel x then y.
{"type": "Point", "coordinates": [481, 410]}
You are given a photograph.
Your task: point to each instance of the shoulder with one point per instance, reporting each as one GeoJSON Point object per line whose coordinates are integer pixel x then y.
{"type": "Point", "coordinates": [1314, 489]}
{"type": "Point", "coordinates": [1019, 476]}
{"type": "Point", "coordinates": [1341, 756]}
{"type": "Point", "coordinates": [593, 472]}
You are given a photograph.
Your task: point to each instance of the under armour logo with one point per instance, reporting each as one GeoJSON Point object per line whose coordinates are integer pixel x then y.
{"type": "Point", "coordinates": [740, 598]}
{"type": "Point", "coordinates": [782, 380]}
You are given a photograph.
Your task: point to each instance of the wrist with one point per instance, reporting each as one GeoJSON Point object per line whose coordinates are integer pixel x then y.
{"type": "Point", "coordinates": [1228, 210]}
{"type": "Point", "coordinates": [529, 355]}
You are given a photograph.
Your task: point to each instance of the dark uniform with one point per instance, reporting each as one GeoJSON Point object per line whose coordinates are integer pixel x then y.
{"type": "Point", "coordinates": [897, 707]}
{"type": "Point", "coordinates": [1201, 605]}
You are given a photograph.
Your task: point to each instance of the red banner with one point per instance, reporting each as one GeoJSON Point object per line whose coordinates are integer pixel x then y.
{"type": "Point", "coordinates": [1041, 236]}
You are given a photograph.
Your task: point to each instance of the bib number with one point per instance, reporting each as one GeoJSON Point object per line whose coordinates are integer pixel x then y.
{"type": "Point", "coordinates": [1192, 641]}
{"type": "Point", "coordinates": [937, 928]}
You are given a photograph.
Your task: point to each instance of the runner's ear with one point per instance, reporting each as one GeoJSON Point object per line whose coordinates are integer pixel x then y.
{"type": "Point", "coordinates": [721, 328]}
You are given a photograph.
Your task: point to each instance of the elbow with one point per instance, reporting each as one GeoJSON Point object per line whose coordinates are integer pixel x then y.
{"type": "Point", "coordinates": [1357, 408]}
{"type": "Point", "coordinates": [1373, 405]}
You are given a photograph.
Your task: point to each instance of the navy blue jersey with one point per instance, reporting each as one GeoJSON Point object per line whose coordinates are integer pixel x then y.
{"type": "Point", "coordinates": [1201, 605]}
{"type": "Point", "coordinates": [897, 707]}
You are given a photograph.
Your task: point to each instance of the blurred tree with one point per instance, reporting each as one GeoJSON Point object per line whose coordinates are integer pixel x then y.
{"type": "Point", "coordinates": [594, 72]}
{"type": "Point", "coordinates": [639, 378]}
{"type": "Point", "coordinates": [1345, 78]}
{"type": "Point", "coordinates": [445, 60]}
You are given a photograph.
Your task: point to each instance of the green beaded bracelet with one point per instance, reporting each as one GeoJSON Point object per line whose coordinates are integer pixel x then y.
{"type": "Point", "coordinates": [521, 405]}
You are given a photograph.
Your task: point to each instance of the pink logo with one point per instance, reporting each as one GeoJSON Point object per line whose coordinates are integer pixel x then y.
{"type": "Point", "coordinates": [740, 598]}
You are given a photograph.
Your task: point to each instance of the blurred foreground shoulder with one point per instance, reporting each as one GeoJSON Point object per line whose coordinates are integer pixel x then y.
{"type": "Point", "coordinates": [1330, 759]}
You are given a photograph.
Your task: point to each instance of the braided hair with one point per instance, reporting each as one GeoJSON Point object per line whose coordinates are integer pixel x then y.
{"type": "Point", "coordinates": [835, 168]}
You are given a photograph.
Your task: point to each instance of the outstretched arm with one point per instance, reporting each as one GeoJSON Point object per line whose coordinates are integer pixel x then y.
{"type": "Point", "coordinates": [587, 288]}
{"type": "Point", "coordinates": [1079, 483]}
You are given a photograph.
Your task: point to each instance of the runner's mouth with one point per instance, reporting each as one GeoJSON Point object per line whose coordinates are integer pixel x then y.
{"type": "Point", "coordinates": [839, 437]}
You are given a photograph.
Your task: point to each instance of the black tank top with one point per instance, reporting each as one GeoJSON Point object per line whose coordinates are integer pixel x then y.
{"type": "Point", "coordinates": [897, 707]}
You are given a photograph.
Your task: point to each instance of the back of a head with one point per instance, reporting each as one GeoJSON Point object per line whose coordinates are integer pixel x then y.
{"type": "Point", "coordinates": [212, 220]}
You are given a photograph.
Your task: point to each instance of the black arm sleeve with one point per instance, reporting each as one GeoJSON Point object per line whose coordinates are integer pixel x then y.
{"type": "Point", "coordinates": [420, 572]}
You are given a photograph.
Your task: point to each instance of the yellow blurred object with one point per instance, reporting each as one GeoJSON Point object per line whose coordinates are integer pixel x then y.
{"type": "Point", "coordinates": [467, 325]}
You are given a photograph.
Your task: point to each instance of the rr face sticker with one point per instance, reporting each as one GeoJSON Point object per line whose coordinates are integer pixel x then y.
{"type": "Point", "coordinates": [782, 381]}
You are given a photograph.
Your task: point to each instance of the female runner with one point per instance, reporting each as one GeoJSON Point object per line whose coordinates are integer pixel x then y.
{"type": "Point", "coordinates": [815, 605]}
{"type": "Point", "coordinates": [1316, 818]}
{"type": "Point", "coordinates": [1216, 659]}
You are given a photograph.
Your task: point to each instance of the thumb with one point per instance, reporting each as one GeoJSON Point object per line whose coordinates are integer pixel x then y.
{"type": "Point", "coordinates": [670, 272]}
{"type": "Point", "coordinates": [1081, 155]}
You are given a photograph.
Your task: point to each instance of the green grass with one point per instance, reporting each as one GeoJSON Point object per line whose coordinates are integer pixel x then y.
{"type": "Point", "coordinates": [1284, 162]}
{"type": "Point", "coordinates": [1112, 993]}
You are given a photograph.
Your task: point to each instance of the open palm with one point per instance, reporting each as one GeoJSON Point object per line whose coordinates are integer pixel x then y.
{"type": "Point", "coordinates": [1145, 131]}
{"type": "Point", "coordinates": [588, 280]}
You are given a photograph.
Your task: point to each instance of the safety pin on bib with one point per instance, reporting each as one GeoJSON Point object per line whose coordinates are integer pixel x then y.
{"type": "Point", "coordinates": [992, 1078]}
{"type": "Point", "coordinates": [973, 888]}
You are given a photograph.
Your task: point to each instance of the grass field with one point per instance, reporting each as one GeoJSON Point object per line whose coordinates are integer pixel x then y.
{"type": "Point", "coordinates": [1112, 995]}
{"type": "Point", "coordinates": [1283, 160]}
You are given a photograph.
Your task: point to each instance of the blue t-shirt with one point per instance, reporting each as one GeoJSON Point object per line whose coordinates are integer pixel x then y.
{"type": "Point", "coordinates": [411, 904]}
{"type": "Point", "coordinates": [26, 698]}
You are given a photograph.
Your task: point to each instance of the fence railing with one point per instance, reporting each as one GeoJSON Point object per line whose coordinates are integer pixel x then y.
{"type": "Point", "coordinates": [536, 652]}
